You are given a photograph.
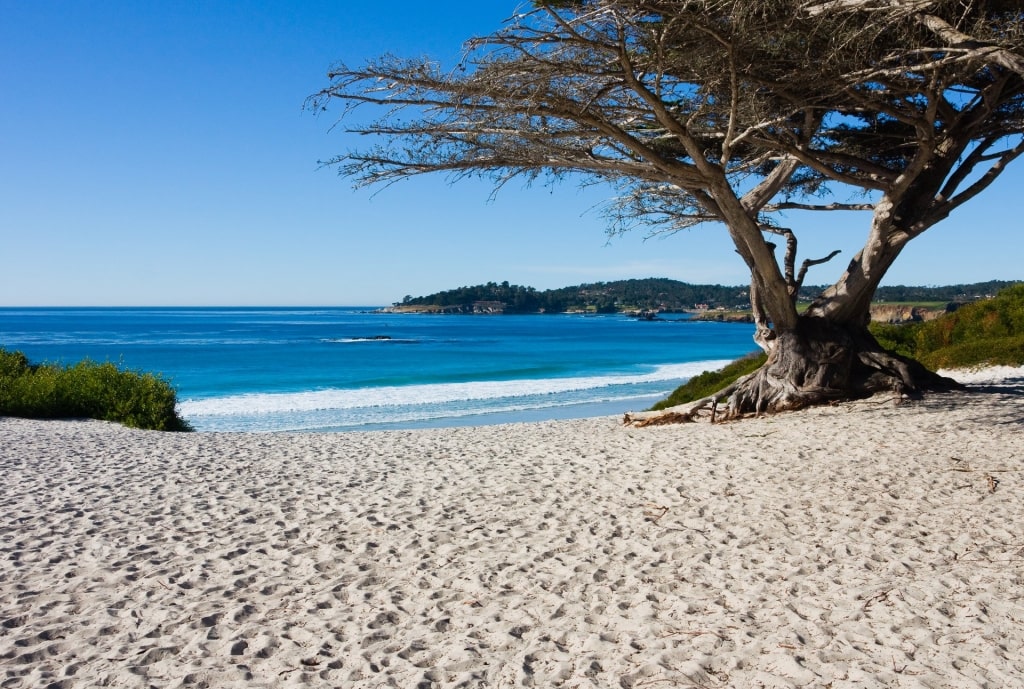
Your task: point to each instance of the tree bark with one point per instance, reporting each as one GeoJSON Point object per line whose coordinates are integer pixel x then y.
{"type": "Point", "coordinates": [820, 361]}
{"type": "Point", "coordinates": [817, 362]}
{"type": "Point", "coordinates": [849, 299]}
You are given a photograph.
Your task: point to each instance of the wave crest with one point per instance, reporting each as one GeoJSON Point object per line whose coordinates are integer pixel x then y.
{"type": "Point", "coordinates": [255, 404]}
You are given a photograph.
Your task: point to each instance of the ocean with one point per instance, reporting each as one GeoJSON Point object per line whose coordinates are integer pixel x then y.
{"type": "Point", "coordinates": [350, 368]}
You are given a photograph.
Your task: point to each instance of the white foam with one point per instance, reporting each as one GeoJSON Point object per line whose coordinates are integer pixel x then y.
{"type": "Point", "coordinates": [353, 340]}
{"type": "Point", "coordinates": [432, 394]}
{"type": "Point", "coordinates": [350, 419]}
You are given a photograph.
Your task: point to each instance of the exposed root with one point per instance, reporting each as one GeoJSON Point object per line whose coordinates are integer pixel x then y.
{"type": "Point", "coordinates": [819, 364]}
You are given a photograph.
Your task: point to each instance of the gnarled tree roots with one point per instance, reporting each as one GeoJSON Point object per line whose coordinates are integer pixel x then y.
{"type": "Point", "coordinates": [817, 363]}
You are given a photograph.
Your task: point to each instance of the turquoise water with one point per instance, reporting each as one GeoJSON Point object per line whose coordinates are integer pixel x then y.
{"type": "Point", "coordinates": [306, 369]}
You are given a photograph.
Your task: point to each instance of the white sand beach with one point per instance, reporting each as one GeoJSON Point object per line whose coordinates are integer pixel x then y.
{"type": "Point", "coordinates": [862, 545]}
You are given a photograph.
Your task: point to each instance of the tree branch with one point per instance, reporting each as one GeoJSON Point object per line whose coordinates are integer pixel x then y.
{"type": "Point", "coordinates": [790, 259]}
{"type": "Point", "coordinates": [792, 205]}
{"type": "Point", "coordinates": [813, 262]}
{"type": "Point", "coordinates": [986, 179]}
{"type": "Point", "coordinates": [976, 49]}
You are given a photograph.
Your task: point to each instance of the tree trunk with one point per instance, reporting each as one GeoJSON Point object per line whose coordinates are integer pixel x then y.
{"type": "Point", "coordinates": [820, 361]}
{"type": "Point", "coordinates": [817, 362]}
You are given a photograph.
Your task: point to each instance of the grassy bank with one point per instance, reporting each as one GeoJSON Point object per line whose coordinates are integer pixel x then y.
{"type": "Point", "coordinates": [86, 390]}
{"type": "Point", "coordinates": [710, 382]}
{"type": "Point", "coordinates": [983, 333]}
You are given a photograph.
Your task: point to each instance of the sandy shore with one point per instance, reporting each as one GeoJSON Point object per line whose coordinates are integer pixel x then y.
{"type": "Point", "coordinates": [864, 545]}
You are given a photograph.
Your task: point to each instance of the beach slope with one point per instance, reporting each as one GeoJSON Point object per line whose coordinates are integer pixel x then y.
{"type": "Point", "coordinates": [871, 544]}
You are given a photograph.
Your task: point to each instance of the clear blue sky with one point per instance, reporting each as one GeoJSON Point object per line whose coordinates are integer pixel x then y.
{"type": "Point", "coordinates": [157, 153]}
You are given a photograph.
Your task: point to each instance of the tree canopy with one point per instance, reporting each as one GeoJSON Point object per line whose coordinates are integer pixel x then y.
{"type": "Point", "coordinates": [727, 112]}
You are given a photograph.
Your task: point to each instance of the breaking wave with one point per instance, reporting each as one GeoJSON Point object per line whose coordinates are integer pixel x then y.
{"type": "Point", "coordinates": [345, 409]}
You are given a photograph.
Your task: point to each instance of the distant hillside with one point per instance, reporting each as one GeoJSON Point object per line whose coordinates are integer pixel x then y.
{"type": "Point", "coordinates": [949, 293]}
{"type": "Point", "coordinates": [989, 332]}
{"type": "Point", "coordinates": [650, 294]}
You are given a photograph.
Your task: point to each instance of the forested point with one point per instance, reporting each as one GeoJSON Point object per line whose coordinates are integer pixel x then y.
{"type": "Point", "coordinates": [655, 295]}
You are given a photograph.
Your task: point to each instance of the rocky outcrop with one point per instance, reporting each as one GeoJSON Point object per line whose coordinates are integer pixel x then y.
{"type": "Point", "coordinates": [486, 307]}
{"type": "Point", "coordinates": [905, 313]}
{"type": "Point", "coordinates": [723, 316]}
{"type": "Point", "coordinates": [880, 313]}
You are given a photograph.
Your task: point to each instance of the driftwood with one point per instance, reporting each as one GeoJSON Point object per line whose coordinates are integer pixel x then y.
{"type": "Point", "coordinates": [683, 413]}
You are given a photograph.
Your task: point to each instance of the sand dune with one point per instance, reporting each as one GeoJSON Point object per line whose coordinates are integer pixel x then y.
{"type": "Point", "coordinates": [864, 545]}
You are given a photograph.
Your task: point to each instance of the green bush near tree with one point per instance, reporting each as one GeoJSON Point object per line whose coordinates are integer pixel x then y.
{"type": "Point", "coordinates": [87, 390]}
{"type": "Point", "coordinates": [984, 333]}
{"type": "Point", "coordinates": [710, 382]}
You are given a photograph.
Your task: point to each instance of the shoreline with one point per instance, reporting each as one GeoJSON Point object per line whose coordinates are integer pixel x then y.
{"type": "Point", "coordinates": [866, 544]}
{"type": "Point", "coordinates": [582, 410]}
{"type": "Point", "coordinates": [568, 412]}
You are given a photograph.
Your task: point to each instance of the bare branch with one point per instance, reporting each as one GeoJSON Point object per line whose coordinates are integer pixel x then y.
{"type": "Point", "coordinates": [986, 179]}
{"type": "Point", "coordinates": [842, 168]}
{"type": "Point", "coordinates": [790, 260]}
{"type": "Point", "coordinates": [813, 262]}
{"type": "Point", "coordinates": [965, 169]}
{"type": "Point", "coordinates": [792, 205]}
{"type": "Point", "coordinates": [977, 49]}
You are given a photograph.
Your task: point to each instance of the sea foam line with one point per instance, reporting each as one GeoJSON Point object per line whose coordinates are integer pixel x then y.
{"type": "Point", "coordinates": [329, 420]}
{"type": "Point", "coordinates": [436, 393]}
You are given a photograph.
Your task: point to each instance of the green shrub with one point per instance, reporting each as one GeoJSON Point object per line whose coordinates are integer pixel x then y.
{"type": "Point", "coordinates": [1002, 351]}
{"type": "Point", "coordinates": [12, 364]}
{"type": "Point", "coordinates": [710, 382]}
{"type": "Point", "coordinates": [897, 338]}
{"type": "Point", "coordinates": [87, 390]}
{"type": "Point", "coordinates": [987, 332]}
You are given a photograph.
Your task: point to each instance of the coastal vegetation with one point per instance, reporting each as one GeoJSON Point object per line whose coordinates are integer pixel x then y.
{"type": "Point", "coordinates": [709, 382]}
{"type": "Point", "coordinates": [657, 295]}
{"type": "Point", "coordinates": [732, 114]}
{"type": "Point", "coordinates": [985, 333]}
{"type": "Point", "coordinates": [87, 390]}
{"type": "Point", "coordinates": [651, 294]}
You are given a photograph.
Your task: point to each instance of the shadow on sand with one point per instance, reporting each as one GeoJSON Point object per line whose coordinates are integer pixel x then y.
{"type": "Point", "coordinates": [996, 403]}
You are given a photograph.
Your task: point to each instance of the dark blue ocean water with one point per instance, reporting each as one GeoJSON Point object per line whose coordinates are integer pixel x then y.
{"type": "Point", "coordinates": [303, 369]}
